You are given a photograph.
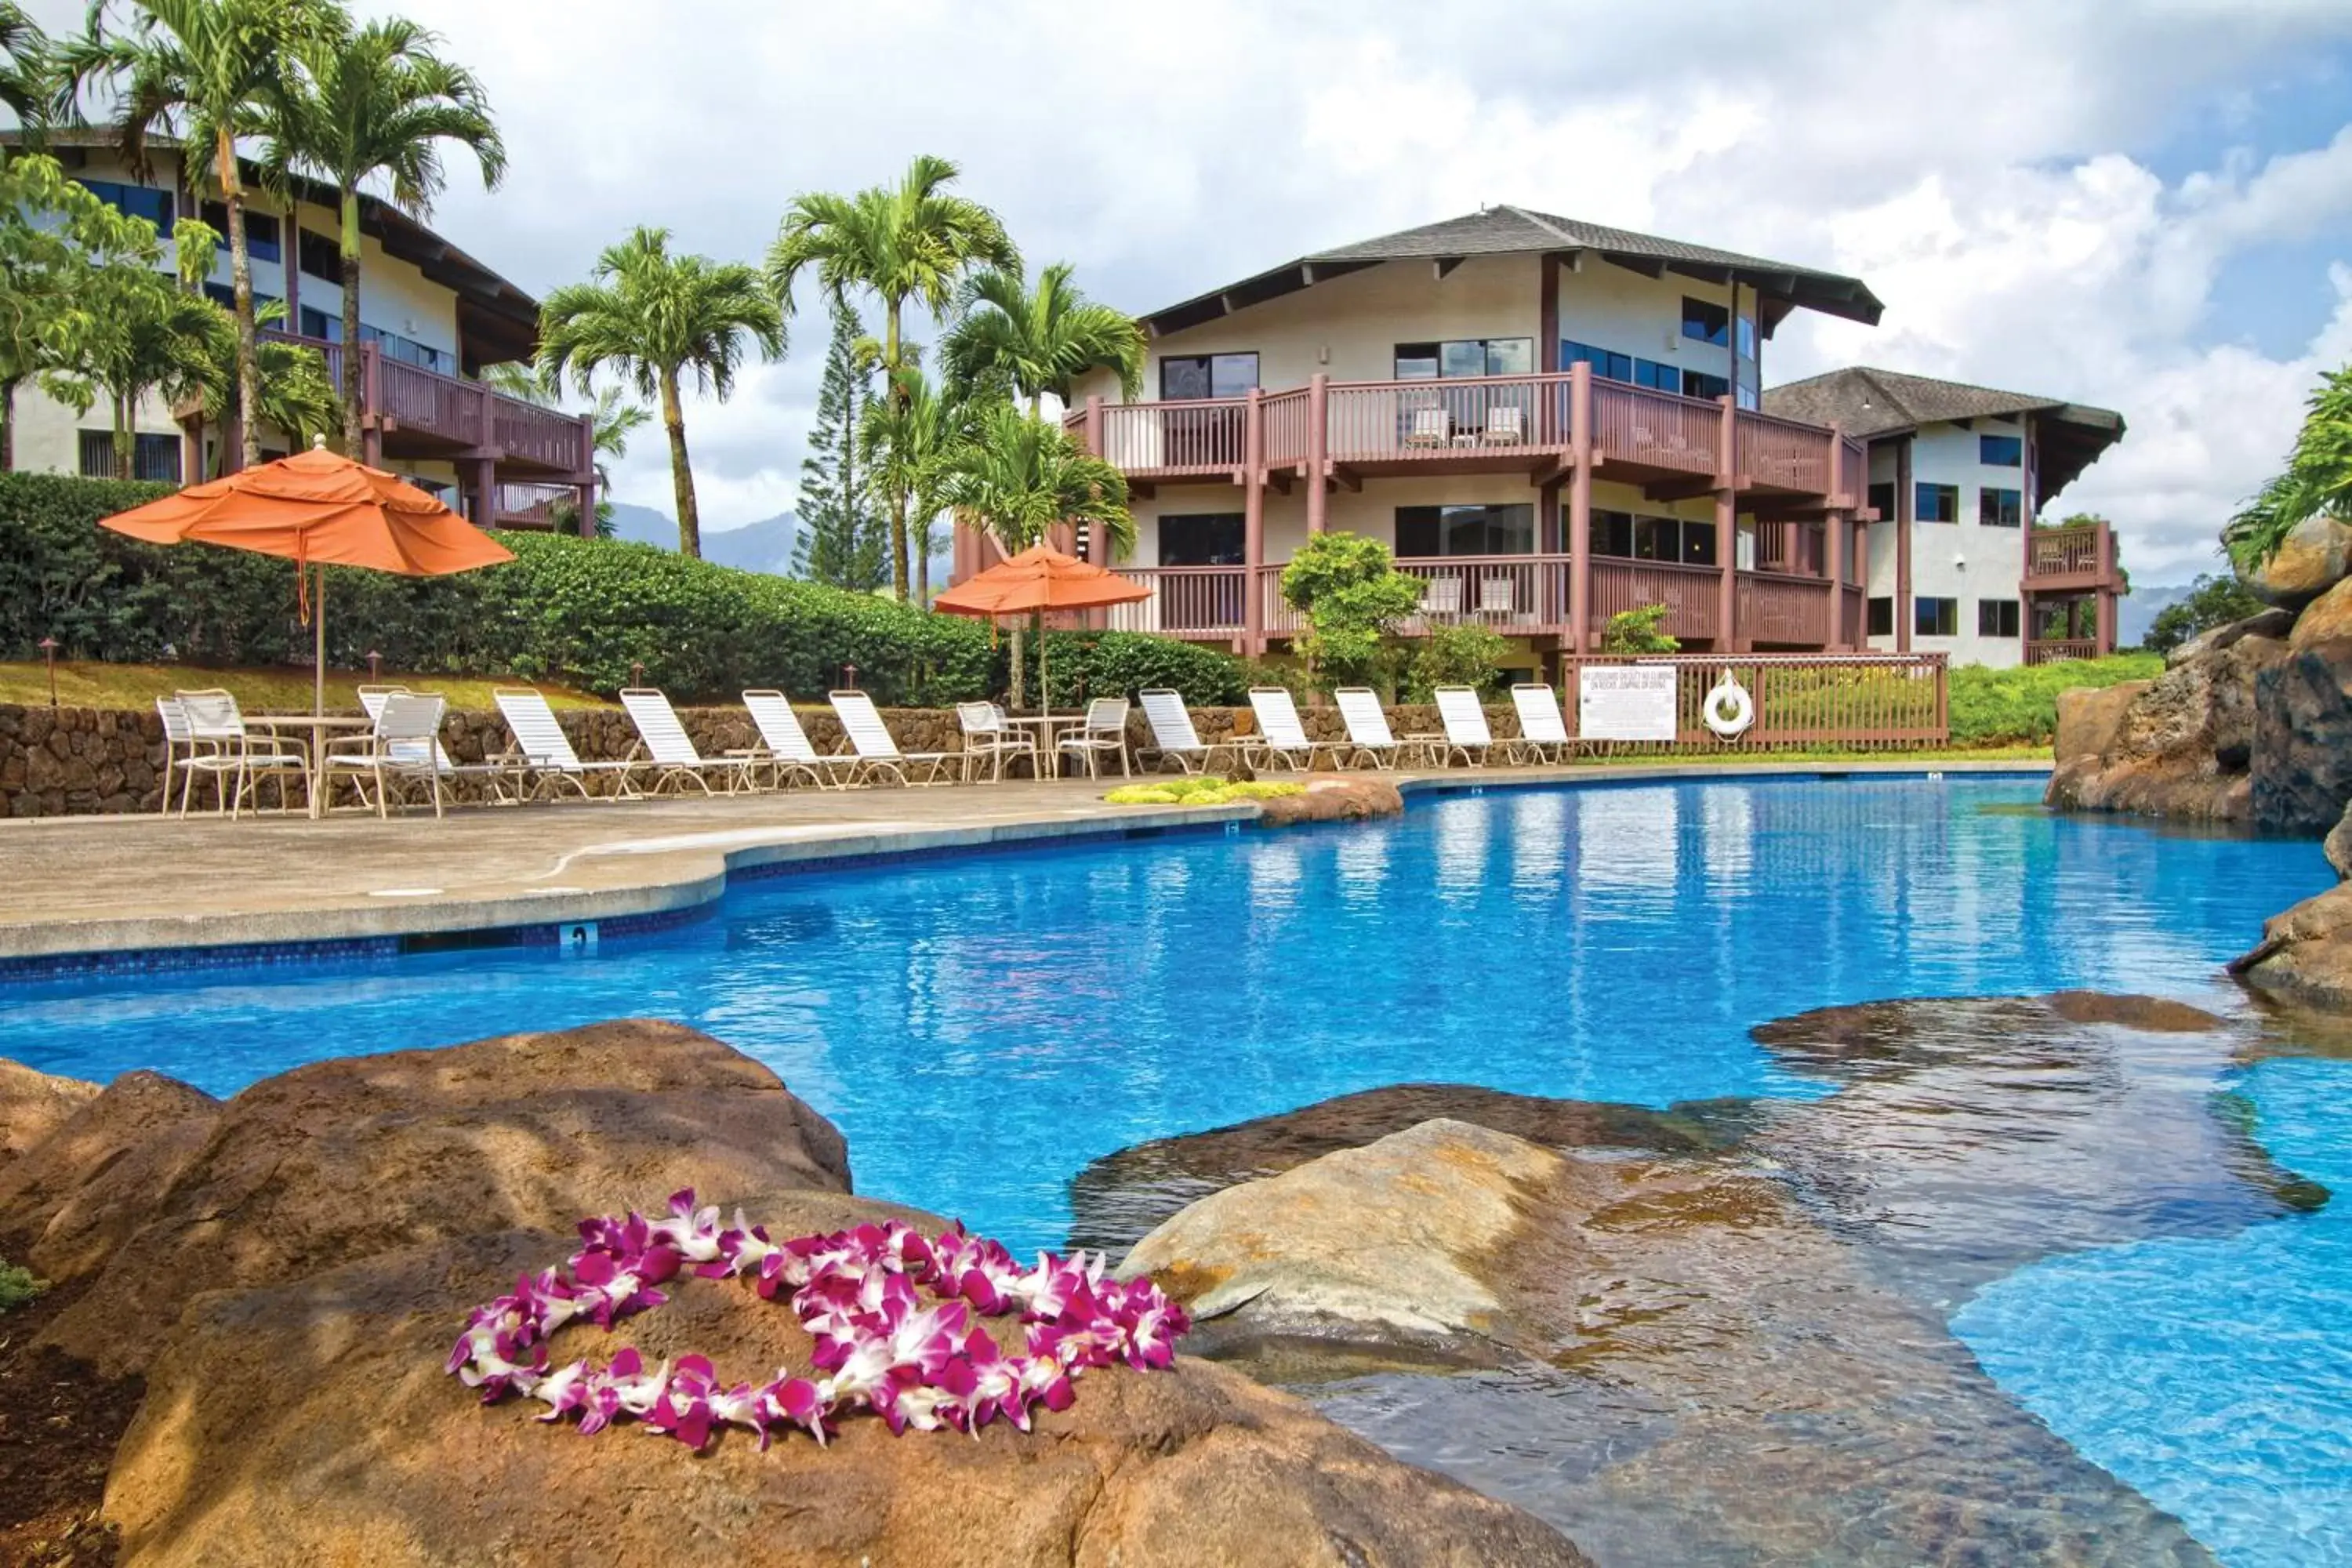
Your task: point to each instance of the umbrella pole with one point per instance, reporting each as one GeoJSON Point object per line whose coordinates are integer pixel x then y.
{"type": "Point", "coordinates": [1045, 702]}
{"type": "Point", "coordinates": [319, 647]}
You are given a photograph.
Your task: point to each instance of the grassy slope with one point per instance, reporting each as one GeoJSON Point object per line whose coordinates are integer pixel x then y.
{"type": "Point", "coordinates": [2020, 706]}
{"type": "Point", "coordinates": [136, 687]}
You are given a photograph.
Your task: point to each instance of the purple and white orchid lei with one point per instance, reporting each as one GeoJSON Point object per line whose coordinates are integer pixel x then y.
{"type": "Point", "coordinates": [880, 1346]}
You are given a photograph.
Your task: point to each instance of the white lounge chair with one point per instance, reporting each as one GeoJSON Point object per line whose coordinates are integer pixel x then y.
{"type": "Point", "coordinates": [542, 755]}
{"type": "Point", "coordinates": [669, 752]}
{"type": "Point", "coordinates": [1281, 740]}
{"type": "Point", "coordinates": [784, 748]}
{"type": "Point", "coordinates": [404, 744]}
{"type": "Point", "coordinates": [877, 753]}
{"type": "Point", "coordinates": [1368, 739]}
{"type": "Point", "coordinates": [1441, 596]}
{"type": "Point", "coordinates": [1467, 734]}
{"type": "Point", "coordinates": [1173, 737]}
{"type": "Point", "coordinates": [372, 698]}
{"type": "Point", "coordinates": [1429, 427]}
{"type": "Point", "coordinates": [1104, 735]}
{"type": "Point", "coordinates": [178, 746]}
{"type": "Point", "coordinates": [1506, 425]}
{"type": "Point", "coordinates": [989, 741]}
{"type": "Point", "coordinates": [1541, 727]}
{"type": "Point", "coordinates": [222, 745]}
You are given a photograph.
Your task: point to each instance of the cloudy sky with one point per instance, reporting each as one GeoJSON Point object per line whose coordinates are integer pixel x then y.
{"type": "Point", "coordinates": [2144, 205]}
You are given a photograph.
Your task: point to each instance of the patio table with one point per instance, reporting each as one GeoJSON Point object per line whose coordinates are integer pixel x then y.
{"type": "Point", "coordinates": [321, 727]}
{"type": "Point", "coordinates": [1044, 724]}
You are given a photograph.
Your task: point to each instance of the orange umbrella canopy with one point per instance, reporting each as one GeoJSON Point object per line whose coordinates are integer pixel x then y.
{"type": "Point", "coordinates": [1039, 578]}
{"type": "Point", "coordinates": [322, 510]}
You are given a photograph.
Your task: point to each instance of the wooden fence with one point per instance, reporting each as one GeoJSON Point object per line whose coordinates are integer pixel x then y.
{"type": "Point", "coordinates": [1860, 702]}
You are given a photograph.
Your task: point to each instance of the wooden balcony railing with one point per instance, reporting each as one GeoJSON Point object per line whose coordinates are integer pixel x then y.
{"type": "Point", "coordinates": [1392, 420]}
{"type": "Point", "coordinates": [462, 413]}
{"type": "Point", "coordinates": [2082, 555]}
{"type": "Point", "coordinates": [1784, 454]}
{"type": "Point", "coordinates": [1186, 601]}
{"type": "Point", "coordinates": [1508, 594]}
{"type": "Point", "coordinates": [1655, 429]}
{"type": "Point", "coordinates": [1774, 607]}
{"type": "Point", "coordinates": [2055, 650]}
{"type": "Point", "coordinates": [1693, 595]}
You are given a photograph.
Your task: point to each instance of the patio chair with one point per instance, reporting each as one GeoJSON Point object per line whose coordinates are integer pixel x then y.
{"type": "Point", "coordinates": [1467, 734]}
{"type": "Point", "coordinates": [404, 744]}
{"type": "Point", "coordinates": [1506, 425]}
{"type": "Point", "coordinates": [877, 753]}
{"type": "Point", "coordinates": [1441, 596]}
{"type": "Point", "coordinates": [221, 745]}
{"type": "Point", "coordinates": [784, 748]}
{"type": "Point", "coordinates": [1429, 427]}
{"type": "Point", "coordinates": [1173, 737]}
{"type": "Point", "coordinates": [542, 754]}
{"type": "Point", "coordinates": [668, 751]}
{"type": "Point", "coordinates": [1368, 739]}
{"type": "Point", "coordinates": [1105, 735]}
{"type": "Point", "coordinates": [988, 740]}
{"type": "Point", "coordinates": [1541, 727]}
{"type": "Point", "coordinates": [1498, 596]}
{"type": "Point", "coordinates": [177, 746]}
{"type": "Point", "coordinates": [1281, 740]}
{"type": "Point", "coordinates": [372, 698]}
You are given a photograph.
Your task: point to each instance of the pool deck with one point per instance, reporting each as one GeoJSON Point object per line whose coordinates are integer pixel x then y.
{"type": "Point", "coordinates": [127, 885]}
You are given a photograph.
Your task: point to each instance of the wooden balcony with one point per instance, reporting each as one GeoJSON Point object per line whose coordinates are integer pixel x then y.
{"type": "Point", "coordinates": [2056, 650]}
{"type": "Point", "coordinates": [2077, 560]}
{"type": "Point", "coordinates": [416, 413]}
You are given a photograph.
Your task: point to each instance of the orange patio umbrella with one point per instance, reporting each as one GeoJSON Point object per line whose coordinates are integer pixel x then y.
{"type": "Point", "coordinates": [1039, 579]}
{"type": "Point", "coordinates": [316, 508]}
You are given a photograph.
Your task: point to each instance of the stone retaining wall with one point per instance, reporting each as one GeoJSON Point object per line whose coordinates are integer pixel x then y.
{"type": "Point", "coordinates": [61, 761]}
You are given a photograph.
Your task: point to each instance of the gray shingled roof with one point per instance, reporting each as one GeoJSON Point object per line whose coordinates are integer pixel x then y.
{"type": "Point", "coordinates": [1868, 402]}
{"type": "Point", "coordinates": [1504, 230]}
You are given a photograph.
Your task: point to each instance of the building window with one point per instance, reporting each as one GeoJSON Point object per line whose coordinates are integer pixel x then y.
{"type": "Point", "coordinates": [1748, 398]}
{"type": "Point", "coordinates": [1705, 322]}
{"type": "Point", "coordinates": [134, 201]}
{"type": "Point", "coordinates": [1465, 357]}
{"type": "Point", "coordinates": [1879, 619]}
{"type": "Point", "coordinates": [261, 233]}
{"type": "Point", "coordinates": [1650, 373]}
{"type": "Point", "coordinates": [1200, 538]}
{"type": "Point", "coordinates": [2000, 509]}
{"type": "Point", "coordinates": [319, 256]}
{"type": "Point", "coordinates": [1936, 617]}
{"type": "Point", "coordinates": [156, 458]}
{"type": "Point", "coordinates": [322, 324]}
{"type": "Point", "coordinates": [1747, 325]}
{"type": "Point", "coordinates": [1996, 617]}
{"type": "Point", "coordinates": [1937, 503]}
{"type": "Point", "coordinates": [1698, 384]}
{"type": "Point", "coordinates": [1882, 500]}
{"type": "Point", "coordinates": [1426, 530]}
{"type": "Point", "coordinates": [2000, 451]}
{"type": "Point", "coordinates": [1625, 537]}
{"type": "Point", "coordinates": [225, 296]}
{"type": "Point", "coordinates": [1607, 363]}
{"type": "Point", "coordinates": [1208, 375]}
{"type": "Point", "coordinates": [407, 350]}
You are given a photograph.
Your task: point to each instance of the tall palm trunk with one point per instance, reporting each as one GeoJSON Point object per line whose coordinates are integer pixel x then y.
{"type": "Point", "coordinates": [240, 272]}
{"type": "Point", "coordinates": [8, 424]}
{"type": "Point", "coordinates": [124, 442]}
{"type": "Point", "coordinates": [898, 492]}
{"type": "Point", "coordinates": [355, 386]}
{"type": "Point", "coordinates": [689, 522]}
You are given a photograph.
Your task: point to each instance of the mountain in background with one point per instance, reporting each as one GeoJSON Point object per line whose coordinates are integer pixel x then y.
{"type": "Point", "coordinates": [763, 546]}
{"type": "Point", "coordinates": [2139, 608]}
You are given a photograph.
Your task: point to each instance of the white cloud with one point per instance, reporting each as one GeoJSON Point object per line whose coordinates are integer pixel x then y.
{"type": "Point", "coordinates": [1992, 169]}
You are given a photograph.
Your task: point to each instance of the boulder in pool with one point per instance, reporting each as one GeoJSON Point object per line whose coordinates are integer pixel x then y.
{"type": "Point", "coordinates": [2179, 746]}
{"type": "Point", "coordinates": [312, 1422]}
{"type": "Point", "coordinates": [1333, 800]}
{"type": "Point", "coordinates": [339, 1160]}
{"type": "Point", "coordinates": [66, 1206]}
{"type": "Point", "coordinates": [33, 1105]}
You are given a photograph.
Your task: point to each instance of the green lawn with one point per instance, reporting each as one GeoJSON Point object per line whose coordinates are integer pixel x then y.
{"type": "Point", "coordinates": [136, 687]}
{"type": "Point", "coordinates": [2020, 706]}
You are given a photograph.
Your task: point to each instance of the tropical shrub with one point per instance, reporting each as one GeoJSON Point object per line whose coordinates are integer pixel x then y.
{"type": "Point", "coordinates": [583, 611]}
{"type": "Point", "coordinates": [1347, 586]}
{"type": "Point", "coordinates": [2316, 481]}
{"type": "Point", "coordinates": [18, 1286]}
{"type": "Point", "coordinates": [1205, 789]}
{"type": "Point", "coordinates": [2020, 706]}
{"type": "Point", "coordinates": [1468, 656]}
{"type": "Point", "coordinates": [1085, 664]}
{"type": "Point", "coordinates": [1637, 630]}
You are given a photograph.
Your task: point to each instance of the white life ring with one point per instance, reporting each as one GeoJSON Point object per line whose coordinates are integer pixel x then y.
{"type": "Point", "coordinates": [1728, 711]}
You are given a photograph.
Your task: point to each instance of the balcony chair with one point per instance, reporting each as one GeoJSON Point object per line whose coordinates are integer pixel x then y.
{"type": "Point", "coordinates": [1499, 597]}
{"type": "Point", "coordinates": [1429, 427]}
{"type": "Point", "coordinates": [221, 744]}
{"type": "Point", "coordinates": [1368, 739]}
{"type": "Point", "coordinates": [1441, 596]}
{"type": "Point", "coordinates": [1541, 727]}
{"type": "Point", "coordinates": [877, 753]}
{"type": "Point", "coordinates": [669, 752]}
{"type": "Point", "coordinates": [1105, 735]}
{"type": "Point", "coordinates": [1506, 426]}
{"type": "Point", "coordinates": [1173, 737]}
{"type": "Point", "coordinates": [784, 748]}
{"type": "Point", "coordinates": [989, 741]}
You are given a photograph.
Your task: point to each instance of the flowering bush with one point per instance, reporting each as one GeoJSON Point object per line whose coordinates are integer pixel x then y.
{"type": "Point", "coordinates": [1207, 789]}
{"type": "Point", "coordinates": [879, 1347]}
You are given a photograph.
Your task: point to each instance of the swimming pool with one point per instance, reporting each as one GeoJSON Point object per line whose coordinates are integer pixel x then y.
{"type": "Point", "coordinates": [983, 1027]}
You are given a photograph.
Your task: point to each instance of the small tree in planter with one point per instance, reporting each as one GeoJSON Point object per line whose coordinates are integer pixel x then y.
{"type": "Point", "coordinates": [1469, 656]}
{"type": "Point", "coordinates": [1347, 587]}
{"type": "Point", "coordinates": [1637, 631]}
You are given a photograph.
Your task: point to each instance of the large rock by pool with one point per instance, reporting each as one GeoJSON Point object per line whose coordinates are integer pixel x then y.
{"type": "Point", "coordinates": [75, 1198]}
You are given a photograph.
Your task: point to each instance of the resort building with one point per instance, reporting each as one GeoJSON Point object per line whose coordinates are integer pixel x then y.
{"type": "Point", "coordinates": [1958, 474]}
{"type": "Point", "coordinates": [1550, 421]}
{"type": "Point", "coordinates": [431, 318]}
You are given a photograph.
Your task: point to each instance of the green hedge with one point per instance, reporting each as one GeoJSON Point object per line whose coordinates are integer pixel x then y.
{"type": "Point", "coordinates": [581, 611]}
{"type": "Point", "coordinates": [2020, 706]}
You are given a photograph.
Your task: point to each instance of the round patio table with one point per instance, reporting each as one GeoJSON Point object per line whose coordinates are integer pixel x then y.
{"type": "Point", "coordinates": [1045, 724]}
{"type": "Point", "coordinates": [322, 727]}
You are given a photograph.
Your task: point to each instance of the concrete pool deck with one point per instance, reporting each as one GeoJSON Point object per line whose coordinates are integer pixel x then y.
{"type": "Point", "coordinates": [116, 885]}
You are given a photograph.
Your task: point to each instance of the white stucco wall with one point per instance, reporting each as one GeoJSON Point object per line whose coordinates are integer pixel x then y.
{"type": "Point", "coordinates": [1965, 560]}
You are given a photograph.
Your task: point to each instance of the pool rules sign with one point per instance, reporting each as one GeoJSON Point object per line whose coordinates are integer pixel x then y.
{"type": "Point", "coordinates": [1625, 702]}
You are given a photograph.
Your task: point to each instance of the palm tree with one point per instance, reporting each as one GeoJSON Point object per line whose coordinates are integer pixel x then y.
{"type": "Point", "coordinates": [1035, 342]}
{"type": "Point", "coordinates": [375, 104]}
{"type": "Point", "coordinates": [131, 333]}
{"type": "Point", "coordinates": [910, 443]}
{"type": "Point", "coordinates": [207, 71]}
{"type": "Point", "coordinates": [2316, 481]}
{"type": "Point", "coordinates": [649, 317]}
{"type": "Point", "coordinates": [28, 82]}
{"type": "Point", "coordinates": [913, 241]}
{"type": "Point", "coordinates": [1020, 478]}
{"type": "Point", "coordinates": [296, 394]}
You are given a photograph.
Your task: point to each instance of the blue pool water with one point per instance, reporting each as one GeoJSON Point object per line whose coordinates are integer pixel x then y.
{"type": "Point", "coordinates": [982, 1027]}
